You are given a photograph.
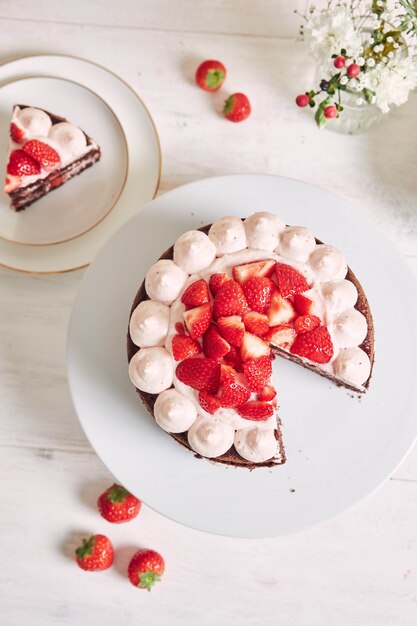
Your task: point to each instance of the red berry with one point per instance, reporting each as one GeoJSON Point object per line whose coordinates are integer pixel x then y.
{"type": "Point", "coordinates": [208, 402]}
{"type": "Point", "coordinates": [197, 320]}
{"type": "Point", "coordinates": [266, 393]}
{"type": "Point", "coordinates": [330, 112]}
{"type": "Point", "coordinates": [214, 346]}
{"type": "Point", "coordinates": [200, 374]}
{"type": "Point", "coordinates": [315, 345]}
{"type": "Point", "coordinates": [256, 410]}
{"type": "Point", "coordinates": [196, 294]}
{"type": "Point", "coordinates": [234, 395]}
{"type": "Point", "coordinates": [237, 107]}
{"type": "Point", "coordinates": [232, 329]}
{"type": "Point", "coordinates": [353, 70]}
{"type": "Point", "coordinates": [95, 553]}
{"type": "Point", "coordinates": [339, 62]}
{"type": "Point", "coordinates": [258, 292]}
{"type": "Point", "coordinates": [304, 323]}
{"type": "Point", "coordinates": [217, 281]}
{"type": "Point", "coordinates": [145, 568]}
{"type": "Point", "coordinates": [16, 133]}
{"type": "Point", "coordinates": [302, 100]}
{"type": "Point", "coordinates": [210, 75]}
{"type": "Point", "coordinates": [21, 164]}
{"type": "Point", "coordinates": [117, 505]}
{"type": "Point", "coordinates": [184, 347]}
{"type": "Point", "coordinates": [41, 152]}
{"type": "Point", "coordinates": [229, 300]}
{"type": "Point", "coordinates": [251, 270]}
{"type": "Point", "coordinates": [258, 372]}
{"type": "Point", "coordinates": [290, 281]}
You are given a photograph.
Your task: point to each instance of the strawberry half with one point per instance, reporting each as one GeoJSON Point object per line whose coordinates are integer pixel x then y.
{"type": "Point", "coordinates": [197, 320]}
{"type": "Point", "coordinates": [41, 152]}
{"type": "Point", "coordinates": [315, 345]}
{"type": "Point", "coordinates": [216, 281]}
{"type": "Point", "coordinates": [200, 374]}
{"type": "Point", "coordinates": [210, 75]}
{"type": "Point", "coordinates": [257, 372]}
{"type": "Point", "coordinates": [281, 310]}
{"type": "Point", "coordinates": [16, 133]}
{"type": "Point", "coordinates": [253, 347]}
{"type": "Point", "coordinates": [214, 346]}
{"type": "Point", "coordinates": [184, 347]}
{"type": "Point", "coordinates": [267, 393]}
{"type": "Point", "coordinates": [208, 402]}
{"type": "Point", "coordinates": [196, 294]}
{"type": "Point", "coordinates": [229, 300]}
{"type": "Point", "coordinates": [304, 323]}
{"type": "Point", "coordinates": [256, 410]}
{"type": "Point", "coordinates": [21, 164]}
{"type": "Point", "coordinates": [227, 374]}
{"type": "Point", "coordinates": [232, 329]}
{"type": "Point", "coordinates": [303, 305]}
{"type": "Point", "coordinates": [256, 323]}
{"type": "Point", "coordinates": [281, 336]}
{"type": "Point", "coordinates": [290, 281]}
{"type": "Point", "coordinates": [258, 291]}
{"type": "Point", "coordinates": [234, 359]}
{"type": "Point", "coordinates": [252, 270]}
{"type": "Point", "coordinates": [234, 395]}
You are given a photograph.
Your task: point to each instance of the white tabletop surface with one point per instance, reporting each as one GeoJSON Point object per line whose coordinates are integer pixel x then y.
{"type": "Point", "coordinates": [357, 570]}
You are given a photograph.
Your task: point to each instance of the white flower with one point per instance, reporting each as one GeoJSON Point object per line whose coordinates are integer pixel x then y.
{"type": "Point", "coordinates": [370, 62]}
{"type": "Point", "coordinates": [360, 61]}
{"type": "Point", "coordinates": [390, 54]}
{"type": "Point", "coordinates": [384, 59]}
{"type": "Point", "coordinates": [327, 32]}
{"type": "Point", "coordinates": [390, 39]}
{"type": "Point", "coordinates": [360, 101]}
{"type": "Point", "coordinates": [394, 83]}
{"type": "Point", "coordinates": [396, 45]}
{"type": "Point", "coordinates": [344, 80]}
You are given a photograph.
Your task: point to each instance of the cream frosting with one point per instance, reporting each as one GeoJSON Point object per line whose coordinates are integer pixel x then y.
{"type": "Point", "coordinates": [193, 251]}
{"type": "Point", "coordinates": [297, 243]}
{"type": "Point", "coordinates": [174, 412]}
{"type": "Point", "coordinates": [352, 365]}
{"type": "Point", "coordinates": [337, 296]}
{"type": "Point", "coordinates": [164, 281]}
{"type": "Point", "coordinates": [228, 235]}
{"type": "Point", "coordinates": [349, 328]}
{"type": "Point", "coordinates": [69, 139]}
{"type": "Point", "coordinates": [256, 444]}
{"type": "Point", "coordinates": [327, 263]}
{"type": "Point", "coordinates": [151, 369]}
{"type": "Point", "coordinates": [210, 439]}
{"type": "Point", "coordinates": [149, 324]}
{"type": "Point", "coordinates": [34, 122]}
{"type": "Point", "coordinates": [262, 230]}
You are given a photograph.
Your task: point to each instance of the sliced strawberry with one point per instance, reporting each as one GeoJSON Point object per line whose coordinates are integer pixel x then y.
{"type": "Point", "coordinates": [234, 395]}
{"type": "Point", "coordinates": [196, 294]}
{"type": "Point", "coordinates": [257, 372]}
{"type": "Point", "coordinates": [179, 327]}
{"type": "Point", "coordinates": [315, 345]}
{"type": "Point", "coordinates": [227, 374]}
{"type": "Point", "coordinates": [253, 347]}
{"type": "Point", "coordinates": [214, 346]}
{"type": "Point", "coordinates": [216, 281]}
{"type": "Point", "coordinates": [258, 292]}
{"type": "Point", "coordinates": [281, 336]}
{"type": "Point", "coordinates": [290, 281]}
{"type": "Point", "coordinates": [41, 152]}
{"type": "Point", "coordinates": [256, 323]}
{"type": "Point", "coordinates": [232, 329]}
{"type": "Point", "coordinates": [250, 270]}
{"type": "Point", "coordinates": [201, 374]}
{"type": "Point", "coordinates": [267, 393]}
{"type": "Point", "coordinates": [208, 402]}
{"type": "Point", "coordinates": [229, 300]}
{"type": "Point", "coordinates": [21, 164]}
{"type": "Point", "coordinates": [16, 133]}
{"type": "Point", "coordinates": [11, 183]}
{"type": "Point", "coordinates": [256, 410]}
{"type": "Point", "coordinates": [303, 305]}
{"type": "Point", "coordinates": [304, 323]}
{"type": "Point", "coordinates": [183, 347]}
{"type": "Point", "coordinates": [234, 359]}
{"type": "Point", "coordinates": [197, 320]}
{"type": "Point", "coordinates": [281, 310]}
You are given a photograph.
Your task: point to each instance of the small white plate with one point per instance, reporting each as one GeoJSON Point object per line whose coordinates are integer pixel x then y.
{"type": "Point", "coordinates": [74, 208]}
{"type": "Point", "coordinates": [113, 114]}
{"type": "Point", "coordinates": [339, 447]}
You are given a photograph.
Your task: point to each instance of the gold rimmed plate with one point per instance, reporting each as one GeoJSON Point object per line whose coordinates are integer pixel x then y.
{"type": "Point", "coordinates": [64, 230]}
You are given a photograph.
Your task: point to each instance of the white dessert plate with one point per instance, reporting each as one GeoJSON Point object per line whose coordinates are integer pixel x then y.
{"type": "Point", "coordinates": [339, 446]}
{"type": "Point", "coordinates": [79, 205]}
{"type": "Point", "coordinates": [100, 200]}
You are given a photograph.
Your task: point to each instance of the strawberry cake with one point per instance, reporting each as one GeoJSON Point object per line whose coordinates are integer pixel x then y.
{"type": "Point", "coordinates": [217, 308]}
{"type": "Point", "coordinates": [44, 152]}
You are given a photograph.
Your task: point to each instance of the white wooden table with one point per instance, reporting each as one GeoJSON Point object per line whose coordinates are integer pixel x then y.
{"type": "Point", "coordinates": [358, 570]}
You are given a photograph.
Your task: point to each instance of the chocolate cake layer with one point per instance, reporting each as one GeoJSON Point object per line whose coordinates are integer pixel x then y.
{"type": "Point", "coordinates": [24, 196]}
{"type": "Point", "coordinates": [232, 457]}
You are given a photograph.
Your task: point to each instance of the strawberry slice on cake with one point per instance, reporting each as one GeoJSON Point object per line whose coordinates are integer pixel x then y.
{"type": "Point", "coordinates": [45, 151]}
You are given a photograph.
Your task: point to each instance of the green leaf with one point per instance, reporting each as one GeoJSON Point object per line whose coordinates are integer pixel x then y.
{"type": "Point", "coordinates": [368, 94]}
{"type": "Point", "coordinates": [117, 493]}
{"type": "Point", "coordinates": [312, 103]}
{"type": "Point", "coordinates": [321, 121]}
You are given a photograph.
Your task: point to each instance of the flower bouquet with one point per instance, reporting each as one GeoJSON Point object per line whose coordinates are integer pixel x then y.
{"type": "Point", "coordinates": [365, 52]}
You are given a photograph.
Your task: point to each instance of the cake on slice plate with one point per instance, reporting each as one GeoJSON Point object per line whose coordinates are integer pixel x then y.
{"type": "Point", "coordinates": [214, 311]}
{"type": "Point", "coordinates": [45, 151]}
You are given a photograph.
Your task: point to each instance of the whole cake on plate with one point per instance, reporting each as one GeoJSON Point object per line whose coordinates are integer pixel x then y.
{"type": "Point", "coordinates": [45, 151]}
{"type": "Point", "coordinates": [215, 310]}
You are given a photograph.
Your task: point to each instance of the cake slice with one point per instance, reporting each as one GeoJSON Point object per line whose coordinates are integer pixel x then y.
{"type": "Point", "coordinates": [45, 151]}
